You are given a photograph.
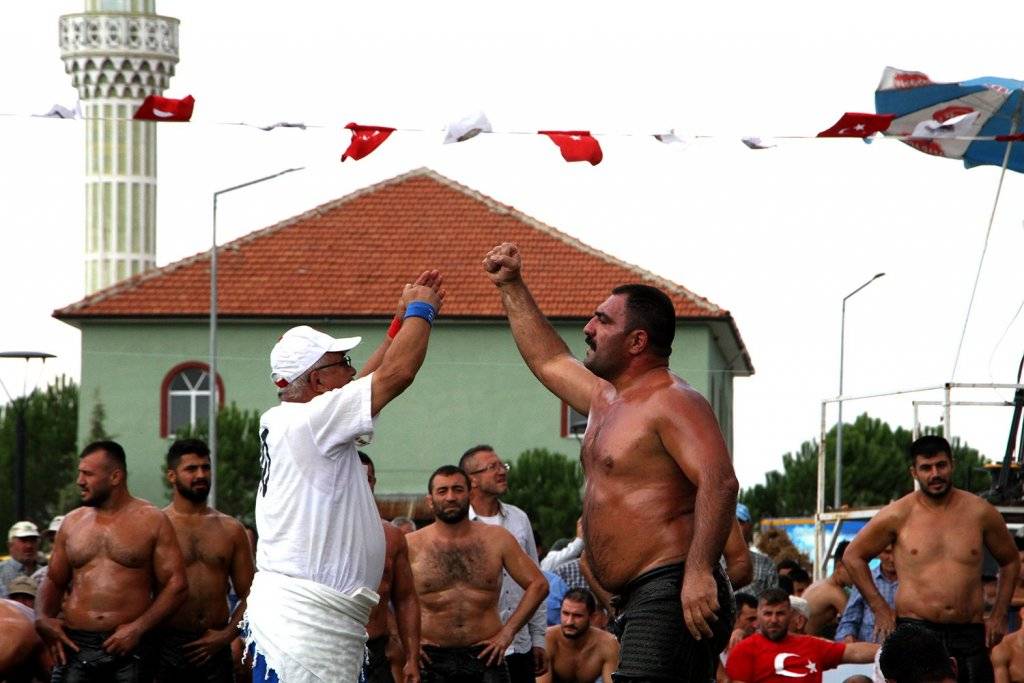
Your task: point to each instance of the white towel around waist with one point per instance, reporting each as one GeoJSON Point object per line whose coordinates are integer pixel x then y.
{"type": "Point", "coordinates": [307, 632]}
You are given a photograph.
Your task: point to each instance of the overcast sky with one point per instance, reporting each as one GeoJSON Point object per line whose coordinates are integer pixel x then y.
{"type": "Point", "coordinates": [778, 237]}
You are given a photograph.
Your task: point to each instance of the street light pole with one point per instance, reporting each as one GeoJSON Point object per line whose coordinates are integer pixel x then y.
{"type": "Point", "coordinates": [20, 406]}
{"type": "Point", "coordinates": [839, 427]}
{"type": "Point", "coordinates": [212, 417]}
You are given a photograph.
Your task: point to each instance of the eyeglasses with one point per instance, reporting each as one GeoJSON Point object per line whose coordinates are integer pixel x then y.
{"type": "Point", "coordinates": [346, 361]}
{"type": "Point", "coordinates": [493, 467]}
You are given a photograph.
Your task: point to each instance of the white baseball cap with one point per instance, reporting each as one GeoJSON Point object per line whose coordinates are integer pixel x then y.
{"type": "Point", "coordinates": [300, 347]}
{"type": "Point", "coordinates": [800, 605]}
{"type": "Point", "coordinates": [55, 523]}
{"type": "Point", "coordinates": [23, 529]}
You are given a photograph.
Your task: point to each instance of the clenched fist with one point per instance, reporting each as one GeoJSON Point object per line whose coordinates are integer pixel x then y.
{"type": "Point", "coordinates": [503, 264]}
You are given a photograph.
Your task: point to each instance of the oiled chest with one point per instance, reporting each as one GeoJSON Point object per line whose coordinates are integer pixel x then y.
{"type": "Point", "coordinates": [927, 538]}
{"type": "Point", "coordinates": [617, 437]}
{"type": "Point", "coordinates": [205, 544]}
{"type": "Point", "coordinates": [442, 567]}
{"type": "Point", "coordinates": [128, 549]}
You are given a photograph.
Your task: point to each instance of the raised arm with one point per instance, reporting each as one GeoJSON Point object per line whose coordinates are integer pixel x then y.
{"type": "Point", "coordinates": [691, 435]}
{"type": "Point", "coordinates": [428, 278]}
{"type": "Point", "coordinates": [170, 591]}
{"type": "Point", "coordinates": [527, 574]}
{"type": "Point", "coordinates": [407, 610]}
{"type": "Point", "coordinates": [51, 593]}
{"type": "Point", "coordinates": [1000, 544]}
{"type": "Point", "coordinates": [544, 351]}
{"type": "Point", "coordinates": [738, 565]}
{"type": "Point", "coordinates": [867, 544]}
{"type": "Point", "coordinates": [404, 356]}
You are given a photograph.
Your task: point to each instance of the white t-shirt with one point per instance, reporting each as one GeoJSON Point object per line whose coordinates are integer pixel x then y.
{"type": "Point", "coordinates": [315, 512]}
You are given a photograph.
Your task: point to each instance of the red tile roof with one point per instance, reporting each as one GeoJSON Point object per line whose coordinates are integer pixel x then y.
{"type": "Point", "coordinates": [389, 231]}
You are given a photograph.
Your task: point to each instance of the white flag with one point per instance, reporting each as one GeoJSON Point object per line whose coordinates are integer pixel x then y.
{"type": "Point", "coordinates": [467, 127]}
{"type": "Point", "coordinates": [284, 124]}
{"type": "Point", "coordinates": [61, 112]}
{"type": "Point", "coordinates": [754, 142]}
{"type": "Point", "coordinates": [957, 126]}
{"type": "Point", "coordinates": [673, 138]}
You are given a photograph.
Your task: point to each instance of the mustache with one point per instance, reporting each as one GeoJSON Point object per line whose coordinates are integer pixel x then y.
{"type": "Point", "coordinates": [590, 342]}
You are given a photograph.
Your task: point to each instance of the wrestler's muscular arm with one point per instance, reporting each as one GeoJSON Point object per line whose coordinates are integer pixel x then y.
{"type": "Point", "coordinates": [51, 592]}
{"type": "Point", "coordinates": [428, 278]}
{"type": "Point", "coordinates": [690, 433]}
{"type": "Point", "coordinates": [405, 354]}
{"type": "Point", "coordinates": [879, 532]}
{"type": "Point", "coordinates": [543, 350]}
{"type": "Point", "coordinates": [199, 651]}
{"type": "Point", "coordinates": [407, 610]}
{"type": "Point", "coordinates": [527, 574]}
{"type": "Point", "coordinates": [172, 589]}
{"type": "Point", "coordinates": [1000, 544]}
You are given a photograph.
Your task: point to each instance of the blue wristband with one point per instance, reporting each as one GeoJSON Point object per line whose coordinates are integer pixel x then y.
{"type": "Point", "coordinates": [421, 309]}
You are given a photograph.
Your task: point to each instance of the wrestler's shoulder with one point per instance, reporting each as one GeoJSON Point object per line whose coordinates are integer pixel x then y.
{"type": "Point", "coordinates": [393, 536]}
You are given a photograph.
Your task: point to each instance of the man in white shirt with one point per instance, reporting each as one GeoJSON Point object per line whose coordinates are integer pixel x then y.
{"type": "Point", "coordinates": [321, 550]}
{"type": "Point", "coordinates": [489, 477]}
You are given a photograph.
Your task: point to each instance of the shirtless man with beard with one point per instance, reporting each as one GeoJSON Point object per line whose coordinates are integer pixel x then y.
{"type": "Point", "coordinates": [118, 561]}
{"type": "Point", "coordinates": [661, 491]}
{"type": "Point", "coordinates": [939, 534]}
{"type": "Point", "coordinates": [195, 642]}
{"type": "Point", "coordinates": [577, 651]}
{"type": "Point", "coordinates": [457, 568]}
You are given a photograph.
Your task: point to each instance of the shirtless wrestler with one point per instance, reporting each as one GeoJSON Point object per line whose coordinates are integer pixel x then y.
{"type": "Point", "coordinates": [396, 590]}
{"type": "Point", "coordinates": [23, 657]}
{"type": "Point", "coordinates": [826, 598]}
{"type": "Point", "coordinates": [119, 562]}
{"type": "Point", "coordinates": [577, 652]}
{"type": "Point", "coordinates": [195, 642]}
{"type": "Point", "coordinates": [457, 568]}
{"type": "Point", "coordinates": [939, 534]}
{"type": "Point", "coordinates": [1008, 659]}
{"type": "Point", "coordinates": [661, 491]}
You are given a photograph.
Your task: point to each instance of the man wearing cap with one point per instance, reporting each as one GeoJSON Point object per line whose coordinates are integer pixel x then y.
{"type": "Point", "coordinates": [321, 551]}
{"type": "Point", "coordinates": [22, 544]}
{"type": "Point", "coordinates": [765, 576]}
{"type": "Point", "coordinates": [22, 589]}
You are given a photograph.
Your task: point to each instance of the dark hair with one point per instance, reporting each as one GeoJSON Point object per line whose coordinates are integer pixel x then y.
{"type": "Point", "coordinates": [446, 471]}
{"type": "Point", "coordinates": [470, 452]}
{"type": "Point", "coordinates": [745, 600]}
{"type": "Point", "coordinates": [773, 596]}
{"type": "Point", "coordinates": [582, 595]}
{"type": "Point", "coordinates": [183, 447]}
{"type": "Point", "coordinates": [789, 564]}
{"type": "Point", "coordinates": [113, 450]}
{"type": "Point", "coordinates": [786, 584]}
{"type": "Point", "coordinates": [912, 654]}
{"type": "Point", "coordinates": [365, 459]}
{"type": "Point", "coordinates": [840, 551]}
{"type": "Point", "coordinates": [799, 575]}
{"type": "Point", "coordinates": [649, 309]}
{"type": "Point", "coordinates": [928, 447]}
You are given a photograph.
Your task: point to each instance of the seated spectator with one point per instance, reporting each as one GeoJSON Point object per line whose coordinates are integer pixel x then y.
{"type": "Point", "coordinates": [765, 575]}
{"type": "Point", "coordinates": [576, 651]}
{"type": "Point", "coordinates": [23, 589]}
{"type": "Point", "coordinates": [912, 654]}
{"type": "Point", "coordinates": [801, 580]}
{"type": "Point", "coordinates": [858, 621]}
{"type": "Point", "coordinates": [774, 654]}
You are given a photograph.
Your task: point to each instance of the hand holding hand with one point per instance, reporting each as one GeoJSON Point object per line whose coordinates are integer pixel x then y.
{"type": "Point", "coordinates": [700, 602]}
{"type": "Point", "coordinates": [504, 264]}
{"type": "Point", "coordinates": [428, 278]}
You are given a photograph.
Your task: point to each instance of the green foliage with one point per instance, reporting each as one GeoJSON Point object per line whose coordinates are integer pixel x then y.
{"type": "Point", "coordinates": [875, 471]}
{"type": "Point", "coordinates": [97, 430]}
{"type": "Point", "coordinates": [51, 418]}
{"type": "Point", "coordinates": [238, 460]}
{"type": "Point", "coordinates": [548, 487]}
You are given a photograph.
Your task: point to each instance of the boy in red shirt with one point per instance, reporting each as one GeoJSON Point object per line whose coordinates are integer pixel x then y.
{"type": "Point", "coordinates": [774, 655]}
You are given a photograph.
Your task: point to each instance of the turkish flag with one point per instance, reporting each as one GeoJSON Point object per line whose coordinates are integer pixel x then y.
{"type": "Point", "coordinates": [365, 139]}
{"type": "Point", "coordinates": [156, 108]}
{"type": "Point", "coordinates": [576, 145]}
{"type": "Point", "coordinates": [854, 125]}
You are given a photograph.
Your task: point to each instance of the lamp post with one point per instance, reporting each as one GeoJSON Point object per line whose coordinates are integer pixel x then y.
{"type": "Point", "coordinates": [212, 424]}
{"type": "Point", "coordinates": [21, 428]}
{"type": "Point", "coordinates": [839, 427]}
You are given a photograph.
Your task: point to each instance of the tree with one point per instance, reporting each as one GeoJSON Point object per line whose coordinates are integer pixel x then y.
{"type": "Point", "coordinates": [51, 418]}
{"type": "Point", "coordinates": [97, 430]}
{"type": "Point", "coordinates": [547, 486]}
{"type": "Point", "coordinates": [875, 471]}
{"type": "Point", "coordinates": [238, 460]}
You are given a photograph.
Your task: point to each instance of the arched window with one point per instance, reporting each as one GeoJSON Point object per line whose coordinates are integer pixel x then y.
{"type": "Point", "coordinates": [185, 397]}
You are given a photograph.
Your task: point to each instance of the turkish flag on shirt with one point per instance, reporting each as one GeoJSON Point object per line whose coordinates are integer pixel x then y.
{"type": "Point", "coordinates": [576, 145]}
{"type": "Point", "coordinates": [156, 108]}
{"type": "Point", "coordinates": [854, 125]}
{"type": "Point", "coordinates": [365, 139]}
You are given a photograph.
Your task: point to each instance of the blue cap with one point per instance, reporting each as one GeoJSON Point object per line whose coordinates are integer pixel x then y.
{"type": "Point", "coordinates": [742, 512]}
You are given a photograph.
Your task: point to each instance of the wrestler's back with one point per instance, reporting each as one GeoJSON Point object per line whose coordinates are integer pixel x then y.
{"type": "Point", "coordinates": [938, 554]}
{"type": "Point", "coordinates": [111, 561]}
{"type": "Point", "coordinates": [458, 584]}
{"type": "Point", "coordinates": [207, 545]}
{"type": "Point", "coordinates": [638, 504]}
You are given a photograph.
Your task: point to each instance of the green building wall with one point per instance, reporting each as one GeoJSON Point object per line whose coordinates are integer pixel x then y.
{"type": "Point", "coordinates": [473, 388]}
